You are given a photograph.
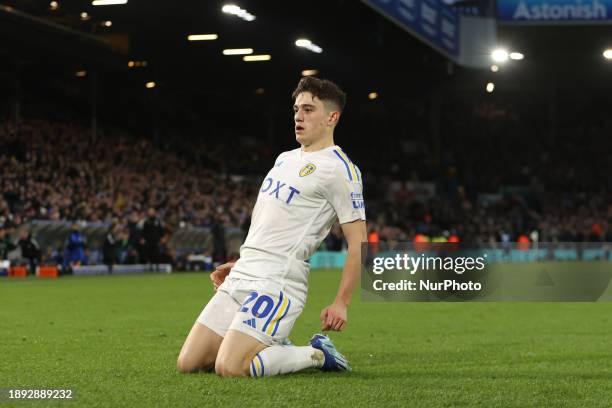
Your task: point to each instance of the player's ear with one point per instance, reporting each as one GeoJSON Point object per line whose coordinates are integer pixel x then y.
{"type": "Point", "coordinates": [333, 118]}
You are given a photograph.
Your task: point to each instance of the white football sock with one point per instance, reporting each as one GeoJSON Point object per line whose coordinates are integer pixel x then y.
{"type": "Point", "coordinates": [276, 360]}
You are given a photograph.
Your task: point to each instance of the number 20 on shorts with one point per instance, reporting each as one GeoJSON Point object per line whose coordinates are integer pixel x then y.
{"type": "Point", "coordinates": [264, 306]}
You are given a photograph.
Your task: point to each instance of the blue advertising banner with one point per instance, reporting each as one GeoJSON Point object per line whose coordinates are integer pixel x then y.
{"type": "Point", "coordinates": [431, 21]}
{"type": "Point", "coordinates": [554, 11]}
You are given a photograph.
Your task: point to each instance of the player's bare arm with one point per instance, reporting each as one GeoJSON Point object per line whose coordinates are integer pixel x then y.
{"type": "Point", "coordinates": [334, 317]}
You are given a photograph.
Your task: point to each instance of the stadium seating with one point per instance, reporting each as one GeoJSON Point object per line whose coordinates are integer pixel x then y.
{"type": "Point", "coordinates": [63, 174]}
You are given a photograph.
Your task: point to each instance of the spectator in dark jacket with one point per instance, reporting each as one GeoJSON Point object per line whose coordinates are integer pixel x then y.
{"type": "Point", "coordinates": [30, 250]}
{"type": "Point", "coordinates": [217, 230]}
{"type": "Point", "coordinates": [109, 249]}
{"type": "Point", "coordinates": [152, 233]}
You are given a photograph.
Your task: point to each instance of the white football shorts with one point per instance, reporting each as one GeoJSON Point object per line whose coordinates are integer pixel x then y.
{"type": "Point", "coordinates": [259, 308]}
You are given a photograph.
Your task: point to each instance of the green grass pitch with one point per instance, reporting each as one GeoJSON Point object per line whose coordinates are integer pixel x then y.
{"type": "Point", "coordinates": [115, 339]}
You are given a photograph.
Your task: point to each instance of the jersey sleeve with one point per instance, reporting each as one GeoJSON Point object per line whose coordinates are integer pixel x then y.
{"type": "Point", "coordinates": [279, 159]}
{"type": "Point", "coordinates": [346, 196]}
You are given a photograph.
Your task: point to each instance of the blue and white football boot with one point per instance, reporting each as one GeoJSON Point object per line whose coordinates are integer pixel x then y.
{"type": "Point", "coordinates": [334, 360]}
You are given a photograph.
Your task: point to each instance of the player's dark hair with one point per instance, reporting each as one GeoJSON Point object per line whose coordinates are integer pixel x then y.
{"type": "Point", "coordinates": [323, 89]}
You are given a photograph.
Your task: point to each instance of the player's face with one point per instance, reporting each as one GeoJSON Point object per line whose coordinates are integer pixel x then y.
{"type": "Point", "coordinates": [312, 119]}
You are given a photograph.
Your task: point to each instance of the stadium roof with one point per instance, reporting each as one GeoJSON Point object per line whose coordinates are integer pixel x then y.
{"type": "Point", "coordinates": [362, 50]}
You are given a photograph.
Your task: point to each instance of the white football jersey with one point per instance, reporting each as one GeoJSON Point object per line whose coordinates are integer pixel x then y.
{"type": "Point", "coordinates": [299, 200]}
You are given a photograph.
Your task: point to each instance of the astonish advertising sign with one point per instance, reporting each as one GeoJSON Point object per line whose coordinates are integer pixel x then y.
{"type": "Point", "coordinates": [554, 11]}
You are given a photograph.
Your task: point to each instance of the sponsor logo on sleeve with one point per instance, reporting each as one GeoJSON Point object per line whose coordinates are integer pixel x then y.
{"type": "Point", "coordinates": [357, 200]}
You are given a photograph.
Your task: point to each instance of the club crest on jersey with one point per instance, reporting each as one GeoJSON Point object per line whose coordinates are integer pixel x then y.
{"type": "Point", "coordinates": [307, 170]}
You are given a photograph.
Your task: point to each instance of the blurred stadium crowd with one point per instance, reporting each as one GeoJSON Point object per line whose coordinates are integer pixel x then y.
{"type": "Point", "coordinates": [60, 171]}
{"type": "Point", "coordinates": [502, 177]}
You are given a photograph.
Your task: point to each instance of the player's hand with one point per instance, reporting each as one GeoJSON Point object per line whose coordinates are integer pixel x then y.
{"type": "Point", "coordinates": [334, 317]}
{"type": "Point", "coordinates": [218, 275]}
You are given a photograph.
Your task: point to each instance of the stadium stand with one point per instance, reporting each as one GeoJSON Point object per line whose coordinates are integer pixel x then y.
{"type": "Point", "coordinates": [54, 173]}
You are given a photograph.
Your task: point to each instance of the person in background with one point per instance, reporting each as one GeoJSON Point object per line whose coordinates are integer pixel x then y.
{"type": "Point", "coordinates": [121, 245]}
{"type": "Point", "coordinates": [75, 248]}
{"type": "Point", "coordinates": [166, 255]}
{"type": "Point", "coordinates": [152, 232]}
{"type": "Point", "coordinates": [30, 250]}
{"type": "Point", "coordinates": [6, 246]}
{"type": "Point", "coordinates": [109, 248]}
{"type": "Point", "coordinates": [335, 241]}
{"type": "Point", "coordinates": [217, 230]}
{"type": "Point", "coordinates": [134, 248]}
{"type": "Point", "coordinates": [6, 243]}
